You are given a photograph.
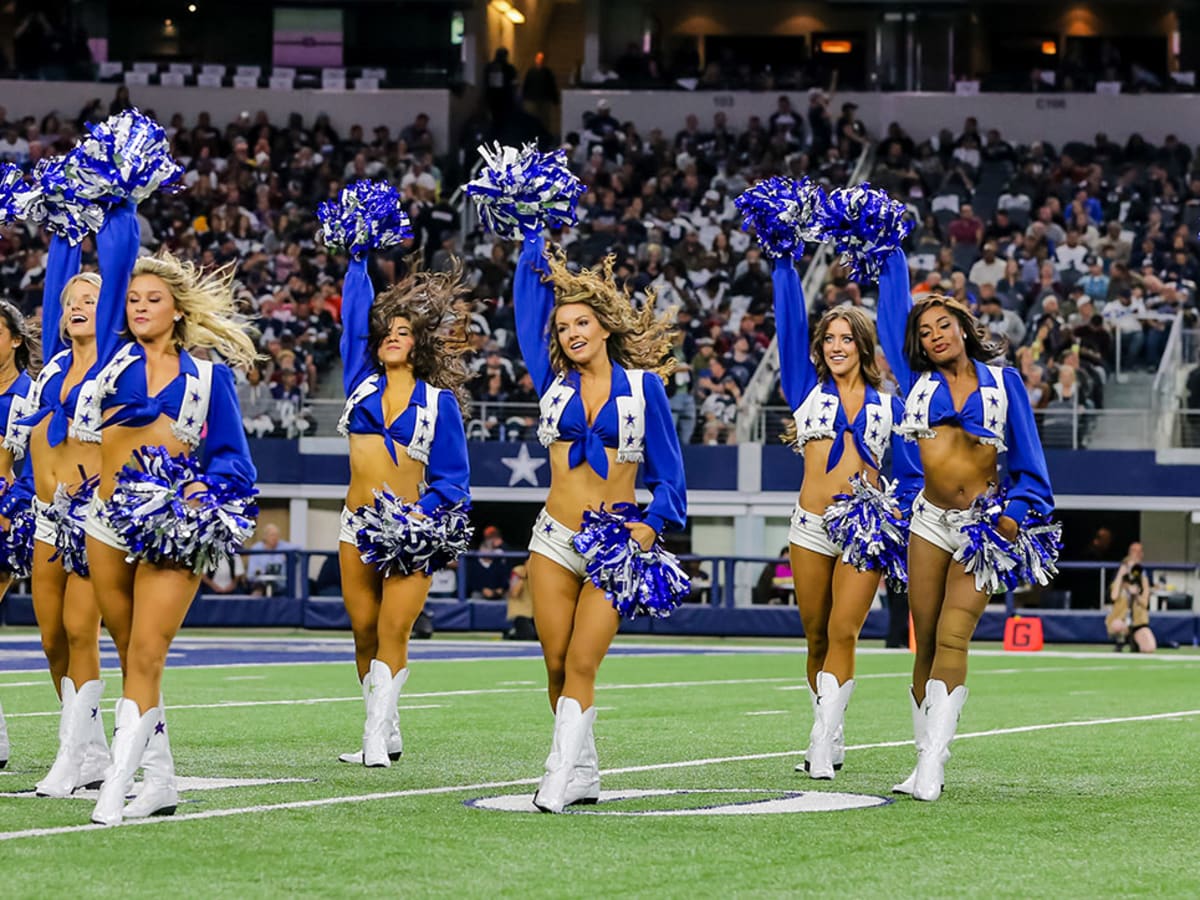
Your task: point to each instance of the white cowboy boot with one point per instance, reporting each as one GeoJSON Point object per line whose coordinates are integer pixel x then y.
{"type": "Point", "coordinates": [918, 724]}
{"type": "Point", "coordinates": [76, 731]}
{"type": "Point", "coordinates": [584, 786]}
{"type": "Point", "coordinates": [395, 743]}
{"type": "Point", "coordinates": [96, 758]}
{"type": "Point", "coordinates": [4, 747]}
{"type": "Point", "coordinates": [131, 733]}
{"type": "Point", "coordinates": [158, 795]}
{"type": "Point", "coordinates": [832, 700]}
{"type": "Point", "coordinates": [571, 726]}
{"type": "Point", "coordinates": [941, 722]}
{"type": "Point", "coordinates": [381, 709]}
{"type": "Point", "coordinates": [839, 740]}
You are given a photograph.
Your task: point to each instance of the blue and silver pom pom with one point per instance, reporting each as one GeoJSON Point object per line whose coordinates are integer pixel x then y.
{"type": "Point", "coordinates": [784, 213]}
{"type": "Point", "coordinates": [12, 187]}
{"type": "Point", "coordinates": [158, 512]}
{"type": "Point", "coordinates": [399, 538]}
{"type": "Point", "coordinates": [864, 524]}
{"type": "Point", "coordinates": [636, 582]}
{"type": "Point", "coordinates": [67, 511]}
{"type": "Point", "coordinates": [865, 226]}
{"type": "Point", "coordinates": [125, 157]}
{"type": "Point", "coordinates": [520, 192]}
{"type": "Point", "coordinates": [1001, 565]}
{"type": "Point", "coordinates": [366, 216]}
{"type": "Point", "coordinates": [54, 202]}
{"type": "Point", "coordinates": [16, 542]}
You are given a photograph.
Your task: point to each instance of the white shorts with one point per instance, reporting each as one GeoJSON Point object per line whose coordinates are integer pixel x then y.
{"type": "Point", "coordinates": [346, 532]}
{"type": "Point", "coordinates": [43, 527]}
{"type": "Point", "coordinates": [94, 527]}
{"type": "Point", "coordinates": [808, 531]}
{"type": "Point", "coordinates": [552, 539]}
{"type": "Point", "coordinates": [940, 527]}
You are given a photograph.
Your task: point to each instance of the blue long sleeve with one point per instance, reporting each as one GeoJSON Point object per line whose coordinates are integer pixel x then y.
{"type": "Point", "coordinates": [533, 305]}
{"type": "Point", "coordinates": [117, 248]}
{"type": "Point", "coordinates": [663, 467]}
{"type": "Point", "coordinates": [907, 473]}
{"type": "Point", "coordinates": [19, 493]}
{"type": "Point", "coordinates": [448, 473]}
{"type": "Point", "coordinates": [358, 295]}
{"type": "Point", "coordinates": [895, 303]}
{"type": "Point", "coordinates": [61, 266]}
{"type": "Point", "coordinates": [225, 455]}
{"type": "Point", "coordinates": [797, 374]}
{"type": "Point", "coordinates": [1030, 489]}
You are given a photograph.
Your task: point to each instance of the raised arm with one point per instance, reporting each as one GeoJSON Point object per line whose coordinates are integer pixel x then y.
{"type": "Point", "coordinates": [448, 472]}
{"type": "Point", "coordinates": [1030, 490]}
{"type": "Point", "coordinates": [663, 468]}
{"type": "Point", "coordinates": [226, 454]}
{"type": "Point", "coordinates": [117, 247]}
{"type": "Point", "coordinates": [895, 303]}
{"type": "Point", "coordinates": [61, 266]}
{"type": "Point", "coordinates": [797, 374]}
{"type": "Point", "coordinates": [358, 295]}
{"type": "Point", "coordinates": [533, 305]}
{"type": "Point", "coordinates": [907, 473]}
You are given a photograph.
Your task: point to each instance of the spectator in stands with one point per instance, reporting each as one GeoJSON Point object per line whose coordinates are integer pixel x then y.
{"type": "Point", "coordinates": [228, 578]}
{"type": "Point", "coordinates": [540, 92]}
{"type": "Point", "coordinates": [488, 573]}
{"type": "Point", "coordinates": [267, 572]}
{"type": "Point", "coordinates": [988, 269]}
{"type": "Point", "coordinates": [820, 125]}
{"type": "Point", "coordinates": [520, 607]}
{"type": "Point", "coordinates": [1125, 316]}
{"type": "Point", "coordinates": [1071, 256]}
{"type": "Point", "coordinates": [1002, 323]}
{"type": "Point", "coordinates": [499, 79]}
{"type": "Point", "coordinates": [852, 133]}
{"type": "Point", "coordinates": [966, 228]}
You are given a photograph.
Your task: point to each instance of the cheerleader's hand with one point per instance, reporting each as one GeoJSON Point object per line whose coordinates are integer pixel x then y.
{"type": "Point", "coordinates": [1008, 528]}
{"type": "Point", "coordinates": [642, 533]}
{"type": "Point", "coordinates": [191, 493]}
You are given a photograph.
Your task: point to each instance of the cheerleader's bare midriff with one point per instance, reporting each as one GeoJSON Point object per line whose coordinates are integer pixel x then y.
{"type": "Point", "coordinates": [122, 442]}
{"type": "Point", "coordinates": [819, 487]}
{"type": "Point", "coordinates": [372, 468]}
{"type": "Point", "coordinates": [958, 467]}
{"type": "Point", "coordinates": [574, 490]}
{"type": "Point", "coordinates": [53, 466]}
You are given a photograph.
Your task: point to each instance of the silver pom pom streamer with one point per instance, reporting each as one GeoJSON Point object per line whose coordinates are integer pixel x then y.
{"type": "Point", "coordinates": [636, 582]}
{"type": "Point", "coordinates": [520, 192]}
{"type": "Point", "coordinates": [784, 214]}
{"type": "Point", "coordinates": [872, 537]}
{"type": "Point", "coordinates": [125, 157]}
{"type": "Point", "coordinates": [12, 187]}
{"type": "Point", "coordinates": [67, 511]}
{"type": "Point", "coordinates": [366, 216]}
{"type": "Point", "coordinates": [157, 511]}
{"type": "Point", "coordinates": [1001, 565]}
{"type": "Point", "coordinates": [16, 542]}
{"type": "Point", "coordinates": [55, 202]}
{"type": "Point", "coordinates": [865, 226]}
{"type": "Point", "coordinates": [399, 538]}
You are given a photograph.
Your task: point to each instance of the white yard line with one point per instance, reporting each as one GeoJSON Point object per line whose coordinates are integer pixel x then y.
{"type": "Point", "coordinates": [492, 785]}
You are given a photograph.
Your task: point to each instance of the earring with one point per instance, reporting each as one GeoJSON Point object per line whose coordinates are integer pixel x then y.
{"type": "Point", "coordinates": [179, 318]}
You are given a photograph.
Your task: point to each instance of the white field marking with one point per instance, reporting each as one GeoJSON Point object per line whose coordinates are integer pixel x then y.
{"type": "Point", "coordinates": [183, 783]}
{"type": "Point", "coordinates": [490, 785]}
{"type": "Point", "coordinates": [768, 712]}
{"type": "Point", "coordinates": [1031, 670]}
{"type": "Point", "coordinates": [237, 704]}
{"type": "Point", "coordinates": [13, 684]}
{"type": "Point", "coordinates": [245, 678]}
{"type": "Point", "coordinates": [515, 683]}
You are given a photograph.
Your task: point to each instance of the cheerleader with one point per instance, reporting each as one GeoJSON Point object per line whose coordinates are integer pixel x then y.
{"type": "Point", "coordinates": [971, 537]}
{"type": "Point", "coordinates": [17, 348]}
{"type": "Point", "coordinates": [406, 506]}
{"type": "Point", "coordinates": [162, 512]}
{"type": "Point", "coordinates": [64, 473]}
{"type": "Point", "coordinates": [845, 530]}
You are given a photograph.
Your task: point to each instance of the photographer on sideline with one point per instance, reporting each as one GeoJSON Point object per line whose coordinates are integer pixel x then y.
{"type": "Point", "coordinates": [1128, 622]}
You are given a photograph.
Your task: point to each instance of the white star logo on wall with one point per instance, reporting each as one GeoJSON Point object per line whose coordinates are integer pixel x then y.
{"type": "Point", "coordinates": [523, 467]}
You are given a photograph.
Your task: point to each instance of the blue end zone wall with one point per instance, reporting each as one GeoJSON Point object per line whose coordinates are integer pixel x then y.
{"type": "Point", "coordinates": [1082, 626]}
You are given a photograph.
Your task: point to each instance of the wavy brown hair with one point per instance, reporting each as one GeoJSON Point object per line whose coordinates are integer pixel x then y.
{"type": "Point", "coordinates": [27, 355]}
{"type": "Point", "coordinates": [209, 316]}
{"type": "Point", "coordinates": [638, 339]}
{"type": "Point", "coordinates": [979, 342]}
{"type": "Point", "coordinates": [862, 331]}
{"type": "Point", "coordinates": [434, 305]}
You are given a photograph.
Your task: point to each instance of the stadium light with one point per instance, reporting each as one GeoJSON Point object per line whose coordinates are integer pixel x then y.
{"type": "Point", "coordinates": [501, 6]}
{"type": "Point", "coordinates": [1049, 48]}
{"type": "Point", "coordinates": [515, 16]}
{"type": "Point", "coordinates": [191, 7]}
{"type": "Point", "coordinates": [836, 46]}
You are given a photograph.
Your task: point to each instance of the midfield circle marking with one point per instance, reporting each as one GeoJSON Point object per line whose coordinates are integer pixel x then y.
{"type": "Point", "coordinates": [777, 803]}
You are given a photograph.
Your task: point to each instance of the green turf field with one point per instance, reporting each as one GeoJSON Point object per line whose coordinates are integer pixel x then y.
{"type": "Point", "coordinates": [1108, 807]}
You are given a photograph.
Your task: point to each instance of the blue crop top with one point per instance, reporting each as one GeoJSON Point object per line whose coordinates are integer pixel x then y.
{"type": "Point", "coordinates": [817, 407]}
{"type": "Point", "coordinates": [637, 413]}
{"type": "Point", "coordinates": [444, 452]}
{"type": "Point", "coordinates": [997, 412]}
{"type": "Point", "coordinates": [224, 452]}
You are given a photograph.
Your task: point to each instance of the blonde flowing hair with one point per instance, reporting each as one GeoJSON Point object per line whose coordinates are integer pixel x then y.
{"type": "Point", "coordinates": [209, 312]}
{"type": "Point", "coordinates": [91, 278]}
{"type": "Point", "coordinates": [638, 339]}
{"type": "Point", "coordinates": [433, 303]}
